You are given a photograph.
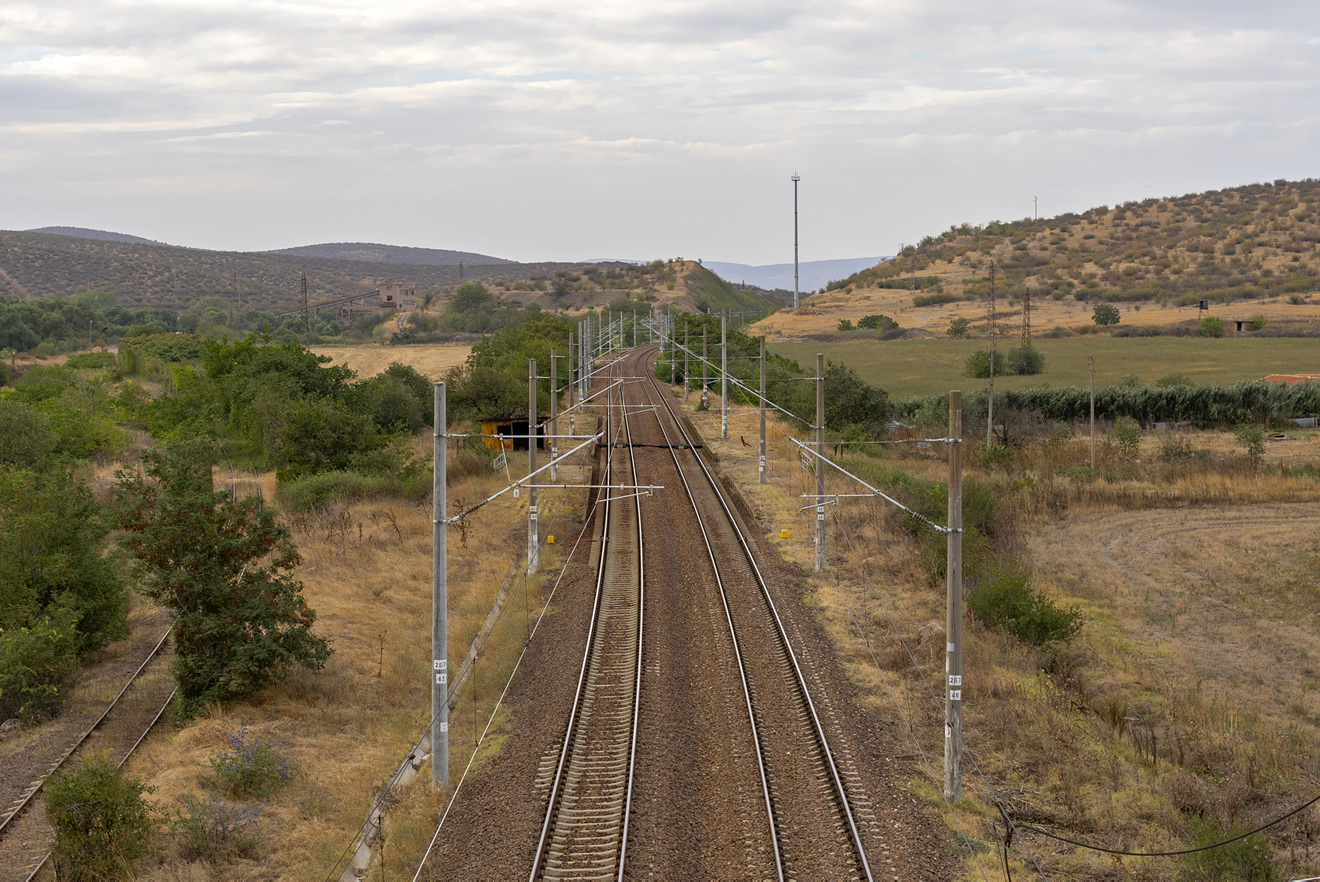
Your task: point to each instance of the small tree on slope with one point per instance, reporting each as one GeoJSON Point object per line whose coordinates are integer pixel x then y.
{"type": "Point", "coordinates": [242, 625]}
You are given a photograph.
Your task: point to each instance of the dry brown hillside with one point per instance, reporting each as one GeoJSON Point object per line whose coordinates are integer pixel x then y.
{"type": "Point", "coordinates": [1247, 250]}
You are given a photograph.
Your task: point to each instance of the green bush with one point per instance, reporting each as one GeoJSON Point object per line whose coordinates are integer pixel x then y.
{"type": "Point", "coordinates": [958, 327]}
{"type": "Point", "coordinates": [1258, 322]}
{"type": "Point", "coordinates": [1246, 860]}
{"type": "Point", "coordinates": [1025, 361]}
{"type": "Point", "coordinates": [1252, 439]}
{"type": "Point", "coordinates": [878, 322]}
{"type": "Point", "coordinates": [102, 824]}
{"type": "Point", "coordinates": [214, 830]}
{"type": "Point", "coordinates": [1126, 435]}
{"type": "Point", "coordinates": [846, 325]}
{"type": "Point", "coordinates": [977, 365]}
{"type": "Point", "coordinates": [1007, 601]}
{"type": "Point", "coordinates": [932, 299]}
{"type": "Point", "coordinates": [52, 538]}
{"type": "Point", "coordinates": [251, 767]}
{"type": "Point", "coordinates": [36, 663]}
{"type": "Point", "coordinates": [1211, 326]}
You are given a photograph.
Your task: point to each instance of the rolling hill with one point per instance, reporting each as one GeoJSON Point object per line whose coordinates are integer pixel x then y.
{"type": "Point", "coordinates": [1245, 250]}
{"type": "Point", "coordinates": [375, 253]}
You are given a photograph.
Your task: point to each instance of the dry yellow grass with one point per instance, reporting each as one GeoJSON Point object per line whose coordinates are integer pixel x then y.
{"type": "Point", "coordinates": [1191, 688]}
{"type": "Point", "coordinates": [367, 572]}
{"type": "Point", "coordinates": [432, 360]}
{"type": "Point", "coordinates": [821, 313]}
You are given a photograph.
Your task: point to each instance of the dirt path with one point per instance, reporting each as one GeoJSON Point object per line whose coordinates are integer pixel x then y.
{"type": "Point", "coordinates": [1216, 598]}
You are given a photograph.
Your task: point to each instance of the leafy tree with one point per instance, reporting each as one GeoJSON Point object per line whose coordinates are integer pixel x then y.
{"type": "Point", "coordinates": [29, 437]}
{"type": "Point", "coordinates": [977, 365]}
{"type": "Point", "coordinates": [846, 325]}
{"type": "Point", "coordinates": [1025, 361]}
{"type": "Point", "coordinates": [958, 327]}
{"type": "Point", "coordinates": [223, 566]}
{"type": "Point", "coordinates": [102, 824]}
{"type": "Point", "coordinates": [1105, 314]}
{"type": "Point", "coordinates": [1258, 322]}
{"type": "Point", "coordinates": [1212, 326]}
{"type": "Point", "coordinates": [323, 435]}
{"type": "Point", "coordinates": [1252, 439]}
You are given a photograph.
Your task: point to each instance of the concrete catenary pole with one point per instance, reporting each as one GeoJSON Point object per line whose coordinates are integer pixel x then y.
{"type": "Point", "coordinates": [673, 353]}
{"type": "Point", "coordinates": [953, 622]}
{"type": "Point", "coordinates": [724, 377]}
{"type": "Point", "coordinates": [761, 406]}
{"type": "Point", "coordinates": [571, 383]}
{"type": "Point", "coordinates": [554, 417]}
{"type": "Point", "coordinates": [533, 536]}
{"type": "Point", "coordinates": [705, 360]}
{"type": "Point", "coordinates": [439, 602]}
{"type": "Point", "coordinates": [990, 401]}
{"type": "Point", "coordinates": [686, 361]}
{"type": "Point", "coordinates": [820, 462]}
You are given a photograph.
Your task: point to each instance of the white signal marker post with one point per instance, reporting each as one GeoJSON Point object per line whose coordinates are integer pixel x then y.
{"type": "Point", "coordinates": [761, 407]}
{"type": "Point", "coordinates": [820, 462]}
{"type": "Point", "coordinates": [439, 602]}
{"type": "Point", "coordinates": [724, 378]}
{"type": "Point", "coordinates": [532, 534]}
{"type": "Point", "coordinates": [953, 622]}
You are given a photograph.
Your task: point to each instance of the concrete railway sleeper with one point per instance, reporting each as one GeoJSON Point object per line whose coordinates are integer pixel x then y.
{"type": "Point", "coordinates": [814, 826]}
{"type": "Point", "coordinates": [584, 834]}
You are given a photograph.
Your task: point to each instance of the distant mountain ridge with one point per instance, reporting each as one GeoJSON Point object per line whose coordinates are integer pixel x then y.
{"type": "Point", "coordinates": [377, 253]}
{"type": "Point", "coordinates": [812, 274]}
{"type": "Point", "coordinates": [99, 235]}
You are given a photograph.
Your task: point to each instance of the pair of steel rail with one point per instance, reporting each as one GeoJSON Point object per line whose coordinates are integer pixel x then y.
{"type": "Point", "coordinates": [585, 832]}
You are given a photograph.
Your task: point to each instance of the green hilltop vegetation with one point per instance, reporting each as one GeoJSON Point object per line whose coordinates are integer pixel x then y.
{"type": "Point", "coordinates": [1221, 245]}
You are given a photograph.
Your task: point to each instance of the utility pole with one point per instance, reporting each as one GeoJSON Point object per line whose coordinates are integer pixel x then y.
{"type": "Point", "coordinates": [1091, 360]}
{"type": "Point", "coordinates": [953, 622]}
{"type": "Point", "coordinates": [705, 360]}
{"type": "Point", "coordinates": [686, 368]}
{"type": "Point", "coordinates": [572, 387]}
{"type": "Point", "coordinates": [820, 462]}
{"type": "Point", "coordinates": [990, 412]}
{"type": "Point", "coordinates": [1035, 208]}
{"type": "Point", "coordinates": [761, 407]}
{"type": "Point", "coordinates": [307, 324]}
{"type": "Point", "coordinates": [439, 601]}
{"type": "Point", "coordinates": [554, 418]}
{"type": "Point", "coordinates": [673, 353]}
{"type": "Point", "coordinates": [533, 536]}
{"type": "Point", "coordinates": [724, 378]}
{"type": "Point", "coordinates": [1026, 317]}
{"type": "Point", "coordinates": [796, 178]}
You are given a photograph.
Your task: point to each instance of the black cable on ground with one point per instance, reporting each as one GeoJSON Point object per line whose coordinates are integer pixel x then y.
{"type": "Point", "coordinates": [1184, 851]}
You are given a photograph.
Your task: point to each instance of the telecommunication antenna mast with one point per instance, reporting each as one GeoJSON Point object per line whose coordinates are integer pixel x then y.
{"type": "Point", "coordinates": [796, 178]}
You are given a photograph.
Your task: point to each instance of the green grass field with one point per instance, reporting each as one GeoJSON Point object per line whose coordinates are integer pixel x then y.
{"type": "Point", "coordinates": [927, 367]}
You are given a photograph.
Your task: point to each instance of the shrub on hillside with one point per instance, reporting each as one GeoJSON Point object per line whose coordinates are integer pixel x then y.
{"type": "Point", "coordinates": [1007, 601]}
{"type": "Point", "coordinates": [36, 662]}
{"type": "Point", "coordinates": [1211, 326]}
{"type": "Point", "coordinates": [251, 767]}
{"type": "Point", "coordinates": [102, 824]}
{"type": "Point", "coordinates": [1025, 361]}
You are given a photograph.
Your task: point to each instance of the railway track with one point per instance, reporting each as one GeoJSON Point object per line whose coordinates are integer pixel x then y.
{"type": "Point", "coordinates": [753, 781]}
{"type": "Point", "coordinates": [122, 725]}
{"type": "Point", "coordinates": [585, 832]}
{"type": "Point", "coordinates": [808, 793]}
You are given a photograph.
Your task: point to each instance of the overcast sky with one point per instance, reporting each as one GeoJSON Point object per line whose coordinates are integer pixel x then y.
{"type": "Point", "coordinates": [572, 130]}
